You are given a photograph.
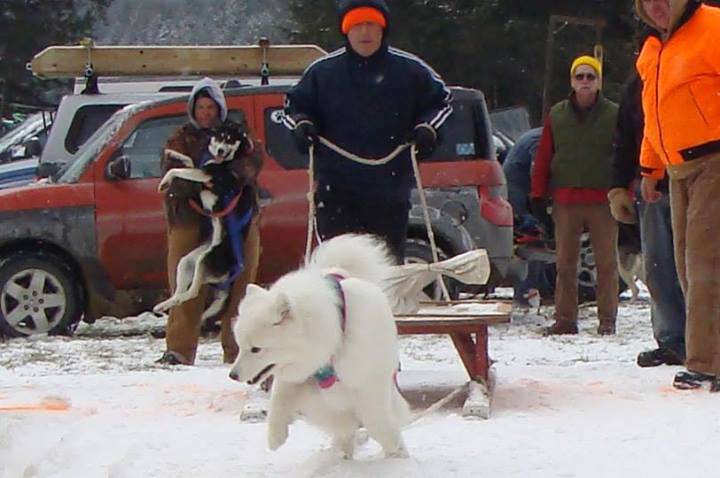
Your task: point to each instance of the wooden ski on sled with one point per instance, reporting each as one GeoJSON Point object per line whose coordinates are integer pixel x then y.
{"type": "Point", "coordinates": [88, 60]}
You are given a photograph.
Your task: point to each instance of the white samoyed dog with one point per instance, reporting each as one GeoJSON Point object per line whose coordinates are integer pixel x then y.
{"type": "Point", "coordinates": [327, 334]}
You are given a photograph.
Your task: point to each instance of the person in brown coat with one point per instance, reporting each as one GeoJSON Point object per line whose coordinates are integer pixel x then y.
{"type": "Point", "coordinates": [187, 229]}
{"type": "Point", "coordinates": [679, 65]}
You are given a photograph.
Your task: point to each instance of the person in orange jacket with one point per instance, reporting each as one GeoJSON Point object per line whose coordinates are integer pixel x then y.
{"type": "Point", "coordinates": [679, 65]}
{"type": "Point", "coordinates": [572, 165]}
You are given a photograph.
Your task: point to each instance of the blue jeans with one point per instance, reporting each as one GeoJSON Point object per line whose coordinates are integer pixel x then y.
{"type": "Point", "coordinates": [538, 277]}
{"type": "Point", "coordinates": [667, 312]}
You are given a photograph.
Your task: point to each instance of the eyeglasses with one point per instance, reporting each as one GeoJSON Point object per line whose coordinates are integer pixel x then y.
{"type": "Point", "coordinates": [582, 76]}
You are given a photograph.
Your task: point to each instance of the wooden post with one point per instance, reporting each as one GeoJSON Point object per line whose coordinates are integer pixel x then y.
{"type": "Point", "coordinates": [561, 21]}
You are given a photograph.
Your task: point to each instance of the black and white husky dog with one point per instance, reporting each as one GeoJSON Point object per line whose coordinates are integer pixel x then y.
{"type": "Point", "coordinates": [224, 193]}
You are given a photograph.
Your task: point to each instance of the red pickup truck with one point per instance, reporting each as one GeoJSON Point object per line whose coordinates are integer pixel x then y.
{"type": "Point", "coordinates": [90, 241]}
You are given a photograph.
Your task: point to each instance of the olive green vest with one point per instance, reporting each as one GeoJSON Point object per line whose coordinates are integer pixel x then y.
{"type": "Point", "coordinates": [583, 146]}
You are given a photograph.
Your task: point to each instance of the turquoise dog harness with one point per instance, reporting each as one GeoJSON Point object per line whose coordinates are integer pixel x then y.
{"type": "Point", "coordinates": [326, 376]}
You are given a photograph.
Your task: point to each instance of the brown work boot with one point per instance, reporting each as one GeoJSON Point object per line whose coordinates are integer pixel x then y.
{"type": "Point", "coordinates": [606, 327]}
{"type": "Point", "coordinates": [562, 327]}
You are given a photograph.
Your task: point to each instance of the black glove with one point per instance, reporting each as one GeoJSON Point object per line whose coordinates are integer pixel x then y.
{"type": "Point", "coordinates": [305, 134]}
{"type": "Point", "coordinates": [425, 140]}
{"type": "Point", "coordinates": [539, 208]}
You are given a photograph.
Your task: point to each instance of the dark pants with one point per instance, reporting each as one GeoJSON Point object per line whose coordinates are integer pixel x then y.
{"type": "Point", "coordinates": [339, 212]}
{"type": "Point", "coordinates": [667, 311]}
{"type": "Point", "coordinates": [537, 278]}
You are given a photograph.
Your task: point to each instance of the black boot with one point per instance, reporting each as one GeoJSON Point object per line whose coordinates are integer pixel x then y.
{"type": "Point", "coordinates": [689, 380]}
{"type": "Point", "coordinates": [715, 385]}
{"type": "Point", "coordinates": [658, 356]}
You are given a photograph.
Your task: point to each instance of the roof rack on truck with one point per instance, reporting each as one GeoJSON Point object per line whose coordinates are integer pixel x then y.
{"type": "Point", "coordinates": [91, 61]}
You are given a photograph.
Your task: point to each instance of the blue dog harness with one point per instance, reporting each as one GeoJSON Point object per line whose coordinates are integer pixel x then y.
{"type": "Point", "coordinates": [326, 376]}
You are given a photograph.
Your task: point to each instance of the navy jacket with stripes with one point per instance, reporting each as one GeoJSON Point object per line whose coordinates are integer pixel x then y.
{"type": "Point", "coordinates": [367, 106]}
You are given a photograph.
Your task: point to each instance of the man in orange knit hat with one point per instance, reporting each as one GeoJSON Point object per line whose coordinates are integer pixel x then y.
{"type": "Point", "coordinates": [367, 98]}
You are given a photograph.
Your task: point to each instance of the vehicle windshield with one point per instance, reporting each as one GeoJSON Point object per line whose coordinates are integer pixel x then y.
{"type": "Point", "coordinates": [30, 127]}
{"type": "Point", "coordinates": [70, 172]}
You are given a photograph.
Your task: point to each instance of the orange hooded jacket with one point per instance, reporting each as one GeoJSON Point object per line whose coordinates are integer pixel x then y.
{"type": "Point", "coordinates": [680, 71]}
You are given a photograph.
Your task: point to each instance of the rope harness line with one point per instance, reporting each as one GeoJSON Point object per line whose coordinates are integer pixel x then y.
{"type": "Point", "coordinates": [312, 226]}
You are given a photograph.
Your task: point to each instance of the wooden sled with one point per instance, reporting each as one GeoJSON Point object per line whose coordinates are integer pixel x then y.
{"type": "Point", "coordinates": [466, 322]}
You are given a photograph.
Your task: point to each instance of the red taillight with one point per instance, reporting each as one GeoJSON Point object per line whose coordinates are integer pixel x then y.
{"type": "Point", "coordinates": [493, 207]}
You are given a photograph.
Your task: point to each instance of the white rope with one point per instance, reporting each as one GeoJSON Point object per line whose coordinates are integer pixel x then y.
{"type": "Point", "coordinates": [437, 405]}
{"type": "Point", "coordinates": [311, 203]}
{"type": "Point", "coordinates": [370, 162]}
{"type": "Point", "coordinates": [428, 225]}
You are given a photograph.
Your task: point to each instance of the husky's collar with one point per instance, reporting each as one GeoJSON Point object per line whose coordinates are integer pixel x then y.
{"type": "Point", "coordinates": [326, 376]}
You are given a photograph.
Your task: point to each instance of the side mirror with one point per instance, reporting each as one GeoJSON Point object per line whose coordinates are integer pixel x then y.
{"type": "Point", "coordinates": [33, 148]}
{"type": "Point", "coordinates": [118, 168]}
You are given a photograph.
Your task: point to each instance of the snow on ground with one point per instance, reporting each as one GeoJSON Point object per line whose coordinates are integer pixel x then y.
{"type": "Point", "coordinates": [97, 406]}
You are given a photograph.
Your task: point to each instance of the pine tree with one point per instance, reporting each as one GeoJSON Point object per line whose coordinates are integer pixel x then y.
{"type": "Point", "coordinates": [27, 27]}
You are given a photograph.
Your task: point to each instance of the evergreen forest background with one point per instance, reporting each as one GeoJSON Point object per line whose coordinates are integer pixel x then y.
{"type": "Point", "coordinates": [498, 46]}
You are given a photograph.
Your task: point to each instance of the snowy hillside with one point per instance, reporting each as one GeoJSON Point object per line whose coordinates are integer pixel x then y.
{"type": "Point", "coordinates": [194, 22]}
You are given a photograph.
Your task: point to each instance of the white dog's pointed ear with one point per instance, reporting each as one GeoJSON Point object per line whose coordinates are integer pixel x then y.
{"type": "Point", "coordinates": [283, 306]}
{"type": "Point", "coordinates": [253, 289]}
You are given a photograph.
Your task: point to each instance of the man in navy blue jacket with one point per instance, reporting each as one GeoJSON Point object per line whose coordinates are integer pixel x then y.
{"type": "Point", "coordinates": [367, 98]}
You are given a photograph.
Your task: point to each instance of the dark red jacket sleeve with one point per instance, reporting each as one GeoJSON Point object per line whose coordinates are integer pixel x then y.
{"type": "Point", "coordinates": [540, 180]}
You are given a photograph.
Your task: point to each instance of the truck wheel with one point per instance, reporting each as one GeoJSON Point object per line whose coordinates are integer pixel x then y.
{"type": "Point", "coordinates": [587, 274]}
{"type": "Point", "coordinates": [418, 251]}
{"type": "Point", "coordinates": [38, 294]}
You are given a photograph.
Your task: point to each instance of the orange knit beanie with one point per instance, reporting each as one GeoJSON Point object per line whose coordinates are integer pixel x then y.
{"type": "Point", "coordinates": [362, 15]}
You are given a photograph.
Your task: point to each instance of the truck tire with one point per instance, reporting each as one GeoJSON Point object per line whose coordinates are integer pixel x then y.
{"type": "Point", "coordinates": [38, 294]}
{"type": "Point", "coordinates": [418, 251]}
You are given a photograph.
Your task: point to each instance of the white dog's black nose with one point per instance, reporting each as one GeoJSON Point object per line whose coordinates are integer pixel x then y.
{"type": "Point", "coordinates": [233, 375]}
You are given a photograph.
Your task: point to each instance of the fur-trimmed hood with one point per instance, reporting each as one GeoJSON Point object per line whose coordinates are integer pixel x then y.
{"type": "Point", "coordinates": [678, 8]}
{"type": "Point", "coordinates": [213, 89]}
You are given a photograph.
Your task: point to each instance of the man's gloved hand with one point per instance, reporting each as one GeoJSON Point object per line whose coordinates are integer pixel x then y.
{"type": "Point", "coordinates": [539, 208]}
{"type": "Point", "coordinates": [621, 206]}
{"type": "Point", "coordinates": [425, 139]}
{"type": "Point", "coordinates": [305, 134]}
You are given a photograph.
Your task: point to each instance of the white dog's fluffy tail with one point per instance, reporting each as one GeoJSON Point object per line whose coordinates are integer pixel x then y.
{"type": "Point", "coordinates": [358, 255]}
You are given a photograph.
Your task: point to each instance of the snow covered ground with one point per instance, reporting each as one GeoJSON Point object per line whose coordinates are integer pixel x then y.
{"type": "Point", "coordinates": [97, 406]}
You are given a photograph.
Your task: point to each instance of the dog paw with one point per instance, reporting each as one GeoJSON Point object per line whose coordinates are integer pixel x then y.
{"type": "Point", "coordinates": [161, 308]}
{"type": "Point", "coordinates": [163, 185]}
{"type": "Point", "coordinates": [276, 436]}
